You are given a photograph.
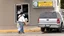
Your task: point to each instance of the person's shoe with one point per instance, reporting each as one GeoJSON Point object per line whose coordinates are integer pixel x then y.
{"type": "Point", "coordinates": [19, 32]}
{"type": "Point", "coordinates": [23, 32]}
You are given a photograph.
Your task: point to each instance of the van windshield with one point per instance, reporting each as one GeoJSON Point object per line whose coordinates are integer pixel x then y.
{"type": "Point", "coordinates": [48, 15]}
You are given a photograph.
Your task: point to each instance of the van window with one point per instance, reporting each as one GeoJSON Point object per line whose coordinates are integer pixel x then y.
{"type": "Point", "coordinates": [48, 15]}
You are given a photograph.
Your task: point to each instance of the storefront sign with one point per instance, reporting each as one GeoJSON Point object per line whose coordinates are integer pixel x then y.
{"type": "Point", "coordinates": [42, 3]}
{"type": "Point", "coordinates": [35, 4]}
{"type": "Point", "coordinates": [45, 4]}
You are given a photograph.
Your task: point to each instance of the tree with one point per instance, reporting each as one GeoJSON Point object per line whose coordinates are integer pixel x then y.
{"type": "Point", "coordinates": [62, 4]}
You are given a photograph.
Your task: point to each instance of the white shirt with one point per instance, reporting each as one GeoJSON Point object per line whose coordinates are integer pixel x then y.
{"type": "Point", "coordinates": [21, 19]}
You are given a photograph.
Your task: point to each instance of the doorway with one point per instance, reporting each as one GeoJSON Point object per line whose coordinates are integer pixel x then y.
{"type": "Point", "coordinates": [22, 8]}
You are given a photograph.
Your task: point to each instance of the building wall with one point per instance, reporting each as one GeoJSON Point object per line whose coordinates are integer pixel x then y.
{"type": "Point", "coordinates": [7, 13]}
{"type": "Point", "coordinates": [34, 13]}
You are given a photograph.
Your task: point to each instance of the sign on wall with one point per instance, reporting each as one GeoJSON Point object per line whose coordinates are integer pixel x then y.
{"type": "Point", "coordinates": [42, 3]}
{"type": "Point", "coordinates": [45, 4]}
{"type": "Point", "coordinates": [35, 3]}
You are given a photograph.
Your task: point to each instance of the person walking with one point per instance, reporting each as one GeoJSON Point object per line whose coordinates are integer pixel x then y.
{"type": "Point", "coordinates": [21, 23]}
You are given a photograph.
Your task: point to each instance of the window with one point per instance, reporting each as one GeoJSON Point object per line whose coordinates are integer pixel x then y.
{"type": "Point", "coordinates": [48, 15]}
{"type": "Point", "coordinates": [21, 9]}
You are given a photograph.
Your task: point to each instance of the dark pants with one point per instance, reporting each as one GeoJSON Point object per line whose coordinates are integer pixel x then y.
{"type": "Point", "coordinates": [21, 29]}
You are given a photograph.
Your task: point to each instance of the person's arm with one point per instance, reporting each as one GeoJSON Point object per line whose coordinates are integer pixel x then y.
{"type": "Point", "coordinates": [25, 23]}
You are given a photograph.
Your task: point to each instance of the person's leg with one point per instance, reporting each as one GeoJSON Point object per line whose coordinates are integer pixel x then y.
{"type": "Point", "coordinates": [22, 29]}
{"type": "Point", "coordinates": [19, 28]}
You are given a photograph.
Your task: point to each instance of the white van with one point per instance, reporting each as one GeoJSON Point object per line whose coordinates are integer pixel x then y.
{"type": "Point", "coordinates": [50, 21]}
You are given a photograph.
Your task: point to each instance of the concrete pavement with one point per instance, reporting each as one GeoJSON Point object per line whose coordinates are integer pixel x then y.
{"type": "Point", "coordinates": [32, 34]}
{"type": "Point", "coordinates": [26, 29]}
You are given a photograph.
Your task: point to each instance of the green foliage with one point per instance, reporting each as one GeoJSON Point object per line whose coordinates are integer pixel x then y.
{"type": "Point", "coordinates": [62, 4]}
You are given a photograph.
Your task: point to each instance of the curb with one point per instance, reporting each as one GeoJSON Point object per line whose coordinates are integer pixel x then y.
{"type": "Point", "coordinates": [15, 30]}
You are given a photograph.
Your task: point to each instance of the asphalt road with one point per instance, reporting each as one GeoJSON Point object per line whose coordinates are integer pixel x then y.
{"type": "Point", "coordinates": [33, 34]}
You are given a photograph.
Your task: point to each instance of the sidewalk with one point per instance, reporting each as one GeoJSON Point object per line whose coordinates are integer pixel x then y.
{"type": "Point", "coordinates": [26, 29]}
{"type": "Point", "coordinates": [32, 29]}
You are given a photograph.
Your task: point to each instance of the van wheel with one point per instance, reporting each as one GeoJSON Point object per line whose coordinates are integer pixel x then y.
{"type": "Point", "coordinates": [60, 29]}
{"type": "Point", "coordinates": [42, 29]}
